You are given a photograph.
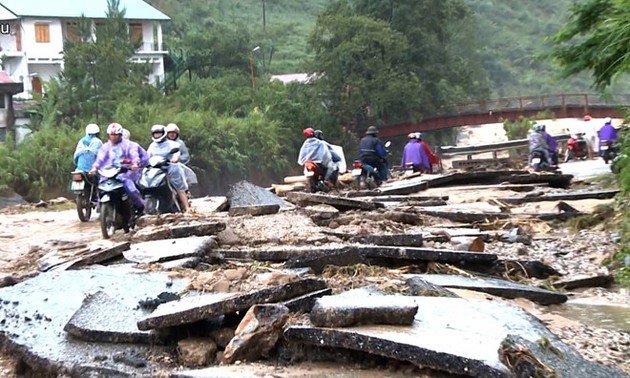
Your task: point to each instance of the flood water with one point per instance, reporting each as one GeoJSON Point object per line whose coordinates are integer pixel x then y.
{"type": "Point", "coordinates": [596, 315]}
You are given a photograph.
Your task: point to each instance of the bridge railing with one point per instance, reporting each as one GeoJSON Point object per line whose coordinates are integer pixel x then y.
{"type": "Point", "coordinates": [584, 100]}
{"type": "Point", "coordinates": [448, 151]}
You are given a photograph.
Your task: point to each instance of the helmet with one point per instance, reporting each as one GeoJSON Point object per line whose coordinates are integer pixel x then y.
{"type": "Point", "coordinates": [309, 132]}
{"type": "Point", "coordinates": [158, 129]}
{"type": "Point", "coordinates": [538, 127]}
{"type": "Point", "coordinates": [319, 134]}
{"type": "Point", "coordinates": [418, 135]}
{"type": "Point", "coordinates": [171, 127]}
{"type": "Point", "coordinates": [543, 127]}
{"type": "Point", "coordinates": [92, 128]}
{"type": "Point", "coordinates": [587, 118]}
{"type": "Point", "coordinates": [411, 136]}
{"type": "Point", "coordinates": [607, 120]}
{"type": "Point", "coordinates": [371, 130]}
{"type": "Point", "coordinates": [114, 129]}
{"type": "Point", "coordinates": [126, 134]}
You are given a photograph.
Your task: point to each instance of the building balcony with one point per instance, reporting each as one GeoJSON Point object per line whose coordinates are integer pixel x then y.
{"type": "Point", "coordinates": [150, 48]}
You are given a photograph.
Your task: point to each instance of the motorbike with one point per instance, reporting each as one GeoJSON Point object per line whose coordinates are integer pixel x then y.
{"type": "Point", "coordinates": [409, 169]}
{"type": "Point", "coordinates": [608, 150]}
{"type": "Point", "coordinates": [159, 194]}
{"type": "Point", "coordinates": [314, 174]}
{"type": "Point", "coordinates": [84, 187]}
{"type": "Point", "coordinates": [116, 206]}
{"type": "Point", "coordinates": [539, 162]}
{"type": "Point", "coordinates": [367, 174]}
{"type": "Point", "coordinates": [576, 148]}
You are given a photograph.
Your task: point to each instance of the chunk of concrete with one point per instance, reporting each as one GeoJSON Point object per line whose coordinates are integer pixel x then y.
{"type": "Point", "coordinates": [41, 341]}
{"type": "Point", "coordinates": [75, 256]}
{"type": "Point", "coordinates": [305, 302]}
{"type": "Point", "coordinates": [544, 358]}
{"type": "Point", "coordinates": [455, 335]}
{"type": "Point", "coordinates": [409, 186]}
{"type": "Point", "coordinates": [317, 261]}
{"type": "Point", "coordinates": [305, 199]}
{"type": "Point", "coordinates": [603, 280]}
{"type": "Point", "coordinates": [170, 249]}
{"type": "Point", "coordinates": [494, 286]}
{"type": "Point", "coordinates": [186, 263]}
{"type": "Point", "coordinates": [257, 333]}
{"type": "Point", "coordinates": [245, 194]}
{"type": "Point", "coordinates": [194, 308]}
{"type": "Point", "coordinates": [275, 254]}
{"type": "Point", "coordinates": [179, 231]}
{"type": "Point", "coordinates": [101, 318]}
{"type": "Point", "coordinates": [356, 307]}
{"type": "Point", "coordinates": [211, 204]}
{"type": "Point", "coordinates": [253, 210]}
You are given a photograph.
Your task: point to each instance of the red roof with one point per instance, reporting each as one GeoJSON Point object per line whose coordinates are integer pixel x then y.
{"type": "Point", "coordinates": [5, 78]}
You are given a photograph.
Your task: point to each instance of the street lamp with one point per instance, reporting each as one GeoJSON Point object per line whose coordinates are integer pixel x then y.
{"type": "Point", "coordinates": [251, 62]}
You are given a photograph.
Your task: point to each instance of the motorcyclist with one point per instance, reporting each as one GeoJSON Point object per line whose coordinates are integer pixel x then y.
{"type": "Point", "coordinates": [172, 133]}
{"type": "Point", "coordinates": [537, 143]}
{"type": "Point", "coordinates": [607, 133]}
{"type": "Point", "coordinates": [142, 154]}
{"type": "Point", "coordinates": [87, 148]}
{"type": "Point", "coordinates": [315, 150]}
{"type": "Point", "coordinates": [335, 157]}
{"type": "Point", "coordinates": [118, 151]}
{"type": "Point", "coordinates": [372, 152]}
{"type": "Point", "coordinates": [433, 159]}
{"type": "Point", "coordinates": [552, 145]}
{"type": "Point", "coordinates": [162, 146]}
{"type": "Point", "coordinates": [414, 153]}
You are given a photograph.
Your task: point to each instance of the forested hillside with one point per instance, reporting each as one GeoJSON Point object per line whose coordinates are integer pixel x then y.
{"type": "Point", "coordinates": [510, 33]}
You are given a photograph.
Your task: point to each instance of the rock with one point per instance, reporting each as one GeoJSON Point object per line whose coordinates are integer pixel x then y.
{"type": "Point", "coordinates": [421, 288]}
{"type": "Point", "coordinates": [257, 333]}
{"type": "Point", "coordinates": [317, 261]}
{"type": "Point", "coordinates": [222, 336]}
{"type": "Point", "coordinates": [101, 318]}
{"type": "Point", "coordinates": [468, 243]}
{"type": "Point", "coordinates": [170, 249]}
{"type": "Point", "coordinates": [359, 306]}
{"type": "Point", "coordinates": [501, 288]}
{"type": "Point", "coordinates": [253, 210]}
{"type": "Point", "coordinates": [196, 352]}
{"type": "Point", "coordinates": [403, 217]}
{"type": "Point", "coordinates": [7, 279]}
{"type": "Point", "coordinates": [194, 308]}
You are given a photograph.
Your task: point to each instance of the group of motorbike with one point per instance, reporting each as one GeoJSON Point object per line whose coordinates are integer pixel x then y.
{"type": "Point", "coordinates": [110, 198]}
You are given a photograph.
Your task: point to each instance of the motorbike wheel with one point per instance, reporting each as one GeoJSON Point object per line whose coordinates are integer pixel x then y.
{"type": "Point", "coordinates": [84, 207]}
{"type": "Point", "coordinates": [152, 206]}
{"type": "Point", "coordinates": [108, 220]}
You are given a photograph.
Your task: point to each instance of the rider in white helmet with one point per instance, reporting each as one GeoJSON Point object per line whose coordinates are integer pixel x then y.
{"type": "Point", "coordinates": [172, 133]}
{"type": "Point", "coordinates": [87, 148]}
{"type": "Point", "coordinates": [162, 146]}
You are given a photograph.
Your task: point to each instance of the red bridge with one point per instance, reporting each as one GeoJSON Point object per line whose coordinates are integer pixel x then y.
{"type": "Point", "coordinates": [499, 110]}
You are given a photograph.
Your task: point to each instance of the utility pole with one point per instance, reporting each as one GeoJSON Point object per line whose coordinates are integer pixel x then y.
{"type": "Point", "coordinates": [264, 15]}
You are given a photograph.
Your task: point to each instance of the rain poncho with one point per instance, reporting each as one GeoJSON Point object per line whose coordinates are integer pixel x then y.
{"type": "Point", "coordinates": [414, 153]}
{"type": "Point", "coordinates": [175, 170]}
{"type": "Point", "coordinates": [313, 149]}
{"type": "Point", "coordinates": [86, 152]}
{"type": "Point", "coordinates": [184, 156]}
{"type": "Point", "coordinates": [552, 144]}
{"type": "Point", "coordinates": [114, 154]}
{"type": "Point", "coordinates": [537, 142]}
{"type": "Point", "coordinates": [608, 132]}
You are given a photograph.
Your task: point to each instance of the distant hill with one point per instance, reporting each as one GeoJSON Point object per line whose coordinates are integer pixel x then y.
{"type": "Point", "coordinates": [511, 32]}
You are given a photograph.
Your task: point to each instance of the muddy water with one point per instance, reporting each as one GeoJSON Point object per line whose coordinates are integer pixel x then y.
{"type": "Point", "coordinates": [596, 315]}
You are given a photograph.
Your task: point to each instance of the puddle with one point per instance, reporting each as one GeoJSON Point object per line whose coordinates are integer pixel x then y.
{"type": "Point", "coordinates": [596, 315]}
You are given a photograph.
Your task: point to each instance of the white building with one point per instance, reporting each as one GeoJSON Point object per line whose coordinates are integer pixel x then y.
{"type": "Point", "coordinates": [33, 33]}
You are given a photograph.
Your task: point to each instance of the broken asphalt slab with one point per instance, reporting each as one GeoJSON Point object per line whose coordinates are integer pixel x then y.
{"type": "Point", "coordinates": [33, 314]}
{"type": "Point", "coordinates": [527, 359]}
{"type": "Point", "coordinates": [180, 231]}
{"type": "Point", "coordinates": [244, 194]}
{"type": "Point", "coordinates": [455, 335]}
{"type": "Point", "coordinates": [604, 280]}
{"type": "Point", "coordinates": [494, 286]}
{"type": "Point", "coordinates": [360, 306]}
{"type": "Point", "coordinates": [341, 203]}
{"type": "Point", "coordinates": [318, 261]}
{"type": "Point", "coordinates": [170, 249]}
{"type": "Point", "coordinates": [198, 307]}
{"type": "Point", "coordinates": [397, 240]}
{"type": "Point", "coordinates": [570, 196]}
{"type": "Point", "coordinates": [69, 257]}
{"type": "Point", "coordinates": [119, 326]}
{"type": "Point", "coordinates": [253, 210]}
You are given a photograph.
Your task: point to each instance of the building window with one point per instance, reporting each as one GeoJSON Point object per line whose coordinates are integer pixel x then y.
{"type": "Point", "coordinates": [42, 33]}
{"type": "Point", "coordinates": [2, 103]}
{"type": "Point", "coordinates": [135, 32]}
{"type": "Point", "coordinates": [72, 32]}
